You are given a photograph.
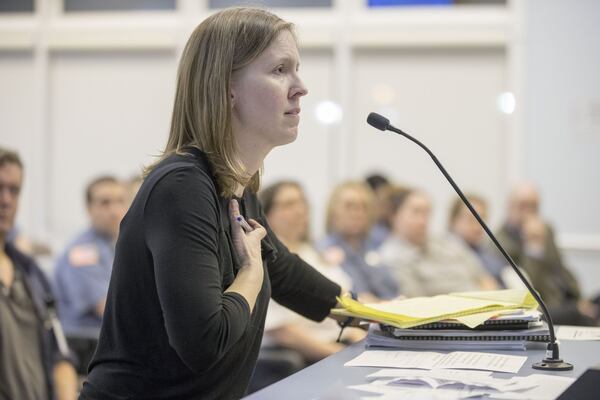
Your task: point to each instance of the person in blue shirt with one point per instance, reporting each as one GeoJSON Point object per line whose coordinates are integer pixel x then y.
{"type": "Point", "coordinates": [83, 270]}
{"type": "Point", "coordinates": [350, 217]}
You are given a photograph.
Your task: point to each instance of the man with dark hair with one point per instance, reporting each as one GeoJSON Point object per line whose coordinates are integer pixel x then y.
{"type": "Point", "coordinates": [34, 361]}
{"type": "Point", "coordinates": [83, 271]}
{"type": "Point", "coordinates": [376, 181]}
{"type": "Point", "coordinates": [381, 187]}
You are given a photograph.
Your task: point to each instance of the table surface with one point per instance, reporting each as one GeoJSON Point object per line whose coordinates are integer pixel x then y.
{"type": "Point", "coordinates": [329, 379]}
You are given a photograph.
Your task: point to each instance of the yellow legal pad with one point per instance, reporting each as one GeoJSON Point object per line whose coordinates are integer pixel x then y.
{"type": "Point", "coordinates": [469, 308]}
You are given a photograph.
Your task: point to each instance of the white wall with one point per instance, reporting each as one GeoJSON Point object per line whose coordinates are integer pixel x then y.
{"type": "Point", "coordinates": [562, 109]}
{"type": "Point", "coordinates": [561, 123]}
{"type": "Point", "coordinates": [110, 113]}
{"type": "Point", "coordinates": [17, 127]}
{"type": "Point", "coordinates": [446, 99]}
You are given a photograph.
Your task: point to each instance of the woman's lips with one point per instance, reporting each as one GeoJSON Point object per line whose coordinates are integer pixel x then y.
{"type": "Point", "coordinates": [294, 111]}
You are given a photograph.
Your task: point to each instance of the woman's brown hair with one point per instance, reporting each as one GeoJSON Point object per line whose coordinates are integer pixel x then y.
{"type": "Point", "coordinates": [457, 206]}
{"type": "Point", "coordinates": [334, 199]}
{"type": "Point", "coordinates": [222, 44]}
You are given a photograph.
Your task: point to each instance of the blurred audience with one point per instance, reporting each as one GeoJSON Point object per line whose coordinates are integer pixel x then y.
{"type": "Point", "coordinates": [381, 187]}
{"type": "Point", "coordinates": [132, 186]}
{"type": "Point", "coordinates": [27, 245]}
{"type": "Point", "coordinates": [350, 217]}
{"type": "Point", "coordinates": [82, 272]}
{"type": "Point", "coordinates": [426, 266]}
{"type": "Point", "coordinates": [529, 240]}
{"type": "Point", "coordinates": [287, 212]}
{"type": "Point", "coordinates": [32, 364]}
{"type": "Point", "coordinates": [464, 227]}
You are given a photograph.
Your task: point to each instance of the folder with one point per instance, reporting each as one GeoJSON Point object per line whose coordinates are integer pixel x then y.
{"type": "Point", "coordinates": [469, 308]}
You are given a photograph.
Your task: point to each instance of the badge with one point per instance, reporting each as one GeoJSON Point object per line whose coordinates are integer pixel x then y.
{"type": "Point", "coordinates": [334, 255]}
{"type": "Point", "coordinates": [373, 259]}
{"type": "Point", "coordinates": [84, 255]}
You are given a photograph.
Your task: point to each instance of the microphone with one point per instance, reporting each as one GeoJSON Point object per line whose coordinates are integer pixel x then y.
{"type": "Point", "coordinates": [552, 362]}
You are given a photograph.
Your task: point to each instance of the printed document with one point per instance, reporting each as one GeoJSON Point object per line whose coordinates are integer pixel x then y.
{"type": "Point", "coordinates": [566, 332]}
{"type": "Point", "coordinates": [434, 360]}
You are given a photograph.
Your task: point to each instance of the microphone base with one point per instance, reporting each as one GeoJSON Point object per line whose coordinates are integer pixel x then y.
{"type": "Point", "coordinates": [548, 364]}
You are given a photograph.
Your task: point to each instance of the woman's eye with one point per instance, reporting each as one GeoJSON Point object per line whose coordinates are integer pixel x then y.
{"type": "Point", "coordinates": [280, 69]}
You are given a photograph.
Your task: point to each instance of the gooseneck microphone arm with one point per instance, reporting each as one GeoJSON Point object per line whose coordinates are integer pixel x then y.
{"type": "Point", "coordinates": [552, 360]}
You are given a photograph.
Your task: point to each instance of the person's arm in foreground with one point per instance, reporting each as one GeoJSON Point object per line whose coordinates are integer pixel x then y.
{"type": "Point", "coordinates": [65, 381]}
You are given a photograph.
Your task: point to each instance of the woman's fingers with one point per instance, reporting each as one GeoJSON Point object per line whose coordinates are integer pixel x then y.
{"type": "Point", "coordinates": [234, 213]}
{"type": "Point", "coordinates": [254, 223]}
{"type": "Point", "coordinates": [234, 209]}
{"type": "Point", "coordinates": [258, 229]}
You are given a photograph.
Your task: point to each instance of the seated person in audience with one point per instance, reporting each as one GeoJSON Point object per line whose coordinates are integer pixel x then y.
{"type": "Point", "coordinates": [31, 364]}
{"type": "Point", "coordinates": [288, 334]}
{"type": "Point", "coordinates": [82, 272]}
{"type": "Point", "coordinates": [464, 226]}
{"type": "Point", "coordinates": [287, 212]}
{"type": "Point", "coordinates": [426, 266]}
{"type": "Point", "coordinates": [347, 243]}
{"type": "Point", "coordinates": [381, 189]}
{"type": "Point", "coordinates": [27, 245]}
{"type": "Point", "coordinates": [529, 240]}
{"type": "Point", "coordinates": [132, 186]}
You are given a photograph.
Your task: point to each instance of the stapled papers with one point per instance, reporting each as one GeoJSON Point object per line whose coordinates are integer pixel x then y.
{"type": "Point", "coordinates": [433, 360]}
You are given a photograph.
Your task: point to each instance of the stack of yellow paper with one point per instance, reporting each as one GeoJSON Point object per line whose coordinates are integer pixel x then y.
{"type": "Point", "coordinates": [469, 308]}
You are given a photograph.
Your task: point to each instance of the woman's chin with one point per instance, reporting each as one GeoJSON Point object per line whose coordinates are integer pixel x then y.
{"type": "Point", "coordinates": [288, 137]}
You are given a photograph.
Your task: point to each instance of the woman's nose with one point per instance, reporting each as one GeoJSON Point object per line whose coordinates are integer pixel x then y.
{"type": "Point", "coordinates": [299, 89]}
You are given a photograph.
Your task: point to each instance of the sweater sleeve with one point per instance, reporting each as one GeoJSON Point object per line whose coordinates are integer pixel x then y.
{"type": "Point", "coordinates": [298, 286]}
{"type": "Point", "coordinates": [181, 226]}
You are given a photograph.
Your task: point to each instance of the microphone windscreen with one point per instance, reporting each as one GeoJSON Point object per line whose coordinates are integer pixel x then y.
{"type": "Point", "coordinates": [378, 121]}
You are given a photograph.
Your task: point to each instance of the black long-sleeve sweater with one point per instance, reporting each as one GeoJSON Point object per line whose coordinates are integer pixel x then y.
{"type": "Point", "coordinates": [169, 330]}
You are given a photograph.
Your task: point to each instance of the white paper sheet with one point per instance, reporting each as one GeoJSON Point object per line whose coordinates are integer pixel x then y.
{"type": "Point", "coordinates": [567, 332]}
{"type": "Point", "coordinates": [547, 387]}
{"type": "Point", "coordinates": [482, 361]}
{"type": "Point", "coordinates": [433, 360]}
{"type": "Point", "coordinates": [435, 373]}
{"type": "Point", "coordinates": [439, 378]}
{"type": "Point", "coordinates": [532, 387]}
{"type": "Point", "coordinates": [418, 393]}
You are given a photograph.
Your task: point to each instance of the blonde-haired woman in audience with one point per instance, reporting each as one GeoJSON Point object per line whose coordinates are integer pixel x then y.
{"type": "Point", "coordinates": [350, 217]}
{"type": "Point", "coordinates": [425, 265]}
{"type": "Point", "coordinates": [286, 208]}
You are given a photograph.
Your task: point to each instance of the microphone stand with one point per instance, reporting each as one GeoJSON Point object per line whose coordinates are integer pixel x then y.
{"type": "Point", "coordinates": [552, 362]}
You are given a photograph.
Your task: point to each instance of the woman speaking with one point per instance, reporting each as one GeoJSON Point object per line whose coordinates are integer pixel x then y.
{"type": "Point", "coordinates": [190, 286]}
